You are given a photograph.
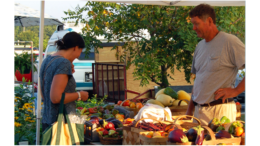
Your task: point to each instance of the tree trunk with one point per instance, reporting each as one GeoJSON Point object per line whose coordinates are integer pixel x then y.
{"type": "Point", "coordinates": [164, 80]}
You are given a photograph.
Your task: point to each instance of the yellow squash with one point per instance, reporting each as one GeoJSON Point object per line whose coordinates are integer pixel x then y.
{"type": "Point", "coordinates": [176, 102]}
{"type": "Point", "coordinates": [166, 100]}
{"type": "Point", "coordinates": [159, 93]}
{"type": "Point", "coordinates": [152, 101]}
{"type": "Point", "coordinates": [183, 95]}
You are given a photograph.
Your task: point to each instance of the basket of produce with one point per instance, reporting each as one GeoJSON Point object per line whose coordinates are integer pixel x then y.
{"type": "Point", "coordinates": [176, 101]}
{"type": "Point", "coordinates": [187, 124]}
{"type": "Point", "coordinates": [111, 136]}
{"type": "Point", "coordinates": [97, 111]}
{"type": "Point", "coordinates": [131, 105]}
{"type": "Point", "coordinates": [201, 135]}
{"type": "Point", "coordinates": [131, 131]}
{"type": "Point", "coordinates": [156, 137]}
{"type": "Point", "coordinates": [237, 129]}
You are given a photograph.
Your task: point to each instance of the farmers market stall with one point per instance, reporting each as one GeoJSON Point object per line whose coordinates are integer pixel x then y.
{"type": "Point", "coordinates": [156, 122]}
{"type": "Point", "coordinates": [172, 3]}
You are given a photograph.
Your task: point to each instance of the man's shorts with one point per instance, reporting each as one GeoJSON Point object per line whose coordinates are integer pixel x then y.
{"type": "Point", "coordinates": [207, 113]}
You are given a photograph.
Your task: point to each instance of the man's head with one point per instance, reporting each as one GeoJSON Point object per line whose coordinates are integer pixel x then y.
{"type": "Point", "coordinates": [203, 19]}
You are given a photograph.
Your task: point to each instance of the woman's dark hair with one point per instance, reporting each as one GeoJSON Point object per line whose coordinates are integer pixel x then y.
{"type": "Point", "coordinates": [203, 11]}
{"type": "Point", "coordinates": [71, 39]}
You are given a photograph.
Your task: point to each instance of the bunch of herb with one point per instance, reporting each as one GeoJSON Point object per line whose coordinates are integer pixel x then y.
{"type": "Point", "coordinates": [92, 102]}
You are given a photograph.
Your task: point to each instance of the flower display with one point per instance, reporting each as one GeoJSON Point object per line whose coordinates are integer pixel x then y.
{"type": "Point", "coordinates": [24, 124]}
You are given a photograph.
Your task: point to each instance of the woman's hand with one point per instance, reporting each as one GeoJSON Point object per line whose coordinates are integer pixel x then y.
{"type": "Point", "coordinates": [72, 68]}
{"type": "Point", "coordinates": [84, 95]}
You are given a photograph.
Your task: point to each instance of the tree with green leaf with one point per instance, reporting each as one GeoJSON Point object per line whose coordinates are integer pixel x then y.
{"type": "Point", "coordinates": [169, 43]}
{"type": "Point", "coordinates": [31, 33]}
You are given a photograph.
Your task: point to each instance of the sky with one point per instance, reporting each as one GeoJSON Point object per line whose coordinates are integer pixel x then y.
{"type": "Point", "coordinates": [55, 8]}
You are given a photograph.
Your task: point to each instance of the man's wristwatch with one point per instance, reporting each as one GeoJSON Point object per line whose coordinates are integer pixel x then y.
{"type": "Point", "coordinates": [79, 98]}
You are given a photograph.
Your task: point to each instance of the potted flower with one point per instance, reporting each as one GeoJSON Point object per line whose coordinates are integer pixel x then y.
{"type": "Point", "coordinates": [25, 122]}
{"type": "Point", "coordinates": [23, 66]}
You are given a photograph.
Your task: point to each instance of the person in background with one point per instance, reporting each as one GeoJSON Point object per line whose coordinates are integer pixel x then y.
{"type": "Point", "coordinates": [216, 61]}
{"type": "Point", "coordinates": [56, 77]}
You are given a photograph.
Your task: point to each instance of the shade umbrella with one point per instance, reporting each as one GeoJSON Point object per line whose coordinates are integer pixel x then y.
{"type": "Point", "coordinates": [180, 2]}
{"type": "Point", "coordinates": [26, 16]}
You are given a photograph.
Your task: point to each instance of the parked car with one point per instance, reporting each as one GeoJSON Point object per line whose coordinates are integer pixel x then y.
{"type": "Point", "coordinates": [240, 75]}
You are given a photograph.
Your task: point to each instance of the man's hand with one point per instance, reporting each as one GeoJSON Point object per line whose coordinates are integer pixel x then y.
{"type": "Point", "coordinates": [72, 68]}
{"type": "Point", "coordinates": [226, 93]}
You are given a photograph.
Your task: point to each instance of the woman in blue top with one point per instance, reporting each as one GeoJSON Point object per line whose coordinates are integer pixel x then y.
{"type": "Point", "coordinates": [56, 77]}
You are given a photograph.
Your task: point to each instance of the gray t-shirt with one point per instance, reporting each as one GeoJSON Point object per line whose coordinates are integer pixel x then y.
{"type": "Point", "coordinates": [216, 64]}
{"type": "Point", "coordinates": [59, 66]}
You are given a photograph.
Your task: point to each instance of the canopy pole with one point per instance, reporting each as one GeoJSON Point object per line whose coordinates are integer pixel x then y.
{"type": "Point", "coordinates": [41, 30]}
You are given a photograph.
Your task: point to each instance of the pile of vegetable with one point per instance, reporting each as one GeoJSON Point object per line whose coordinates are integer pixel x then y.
{"type": "Point", "coordinates": [111, 128]}
{"type": "Point", "coordinates": [167, 97]}
{"type": "Point", "coordinates": [130, 104]}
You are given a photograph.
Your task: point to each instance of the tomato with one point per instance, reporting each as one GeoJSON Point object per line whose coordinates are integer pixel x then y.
{"type": "Point", "coordinates": [126, 103]}
{"type": "Point", "coordinates": [119, 102]}
{"type": "Point", "coordinates": [237, 103]}
{"type": "Point", "coordinates": [239, 131]}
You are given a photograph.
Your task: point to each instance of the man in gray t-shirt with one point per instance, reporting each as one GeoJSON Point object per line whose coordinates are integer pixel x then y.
{"type": "Point", "coordinates": [216, 61]}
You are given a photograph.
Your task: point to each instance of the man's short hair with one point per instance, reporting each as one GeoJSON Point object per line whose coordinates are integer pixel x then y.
{"type": "Point", "coordinates": [203, 11]}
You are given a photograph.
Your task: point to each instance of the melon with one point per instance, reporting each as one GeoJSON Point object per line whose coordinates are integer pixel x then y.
{"type": "Point", "coordinates": [166, 100]}
{"type": "Point", "coordinates": [152, 101]}
{"type": "Point", "coordinates": [183, 95]}
{"type": "Point", "coordinates": [176, 102]}
{"type": "Point", "coordinates": [159, 92]}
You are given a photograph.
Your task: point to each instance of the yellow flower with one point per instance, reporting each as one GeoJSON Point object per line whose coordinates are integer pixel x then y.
{"type": "Point", "coordinates": [18, 97]}
{"type": "Point", "coordinates": [15, 100]}
{"type": "Point", "coordinates": [16, 118]}
{"type": "Point", "coordinates": [26, 105]}
{"type": "Point", "coordinates": [31, 121]}
{"type": "Point", "coordinates": [21, 108]}
{"type": "Point", "coordinates": [27, 115]}
{"type": "Point", "coordinates": [28, 118]}
{"type": "Point", "coordinates": [29, 110]}
{"type": "Point", "coordinates": [30, 106]}
{"type": "Point", "coordinates": [15, 111]}
{"type": "Point", "coordinates": [16, 124]}
{"type": "Point", "coordinates": [42, 103]}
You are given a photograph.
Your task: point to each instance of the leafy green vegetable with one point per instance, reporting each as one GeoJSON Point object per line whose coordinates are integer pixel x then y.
{"type": "Point", "coordinates": [91, 102]}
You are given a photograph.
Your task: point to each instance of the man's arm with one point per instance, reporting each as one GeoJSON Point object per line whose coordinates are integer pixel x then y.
{"type": "Point", "coordinates": [230, 92]}
{"type": "Point", "coordinates": [190, 106]}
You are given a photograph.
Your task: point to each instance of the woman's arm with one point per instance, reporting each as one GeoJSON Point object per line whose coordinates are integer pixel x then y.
{"type": "Point", "coordinates": [58, 86]}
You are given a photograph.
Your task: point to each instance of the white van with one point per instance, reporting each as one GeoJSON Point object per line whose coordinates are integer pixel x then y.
{"type": "Point", "coordinates": [82, 65]}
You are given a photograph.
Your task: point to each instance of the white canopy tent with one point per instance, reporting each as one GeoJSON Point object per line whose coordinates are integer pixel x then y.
{"type": "Point", "coordinates": [144, 2]}
{"type": "Point", "coordinates": [181, 2]}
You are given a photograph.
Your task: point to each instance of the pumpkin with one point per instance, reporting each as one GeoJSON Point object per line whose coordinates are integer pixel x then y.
{"type": "Point", "coordinates": [183, 95]}
{"type": "Point", "coordinates": [166, 100]}
{"type": "Point", "coordinates": [159, 92]}
{"type": "Point", "coordinates": [152, 101]}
